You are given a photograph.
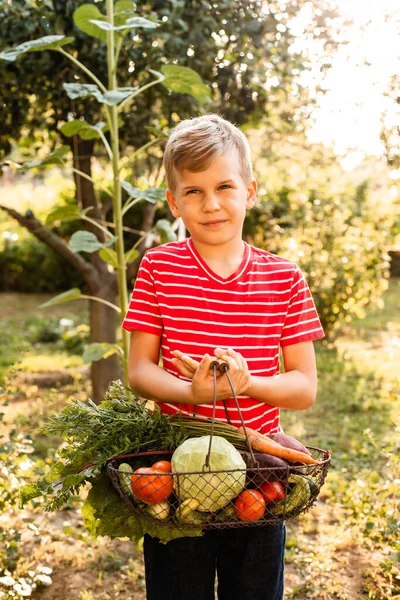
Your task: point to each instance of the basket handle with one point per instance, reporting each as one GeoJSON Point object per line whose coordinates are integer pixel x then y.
{"type": "Point", "coordinates": [224, 367]}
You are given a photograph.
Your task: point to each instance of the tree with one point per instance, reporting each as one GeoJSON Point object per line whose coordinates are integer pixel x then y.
{"type": "Point", "coordinates": [234, 45]}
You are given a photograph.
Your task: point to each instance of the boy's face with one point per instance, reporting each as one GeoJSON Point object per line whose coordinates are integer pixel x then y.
{"type": "Point", "coordinates": [213, 203]}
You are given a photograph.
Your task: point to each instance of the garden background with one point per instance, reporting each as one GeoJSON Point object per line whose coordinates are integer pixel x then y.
{"type": "Point", "coordinates": [316, 87]}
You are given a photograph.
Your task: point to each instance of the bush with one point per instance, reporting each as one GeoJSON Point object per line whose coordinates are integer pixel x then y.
{"type": "Point", "coordinates": [42, 330]}
{"type": "Point", "coordinates": [338, 244]}
{"type": "Point", "coordinates": [76, 339]}
{"type": "Point", "coordinates": [30, 266]}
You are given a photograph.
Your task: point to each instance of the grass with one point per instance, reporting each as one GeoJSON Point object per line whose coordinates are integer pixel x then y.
{"type": "Point", "coordinates": [356, 416]}
{"type": "Point", "coordinates": [22, 325]}
{"type": "Point", "coordinates": [345, 548]}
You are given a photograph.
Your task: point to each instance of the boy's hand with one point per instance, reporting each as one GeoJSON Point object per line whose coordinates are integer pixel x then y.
{"type": "Point", "coordinates": [203, 376]}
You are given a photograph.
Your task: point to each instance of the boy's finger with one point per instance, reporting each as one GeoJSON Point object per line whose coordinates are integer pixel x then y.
{"type": "Point", "coordinates": [186, 359]}
{"type": "Point", "coordinates": [182, 368]}
{"type": "Point", "coordinates": [238, 357]}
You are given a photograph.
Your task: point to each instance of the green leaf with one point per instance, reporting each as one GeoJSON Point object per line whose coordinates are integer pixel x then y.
{"type": "Point", "coordinates": [114, 97]}
{"type": "Point", "coordinates": [85, 241]}
{"type": "Point", "coordinates": [54, 158]}
{"type": "Point", "coordinates": [123, 9]}
{"type": "Point", "coordinates": [111, 98]}
{"type": "Point", "coordinates": [63, 213]}
{"type": "Point", "coordinates": [105, 513]}
{"type": "Point", "coordinates": [185, 81]}
{"type": "Point", "coordinates": [109, 256]}
{"type": "Point", "coordinates": [82, 128]}
{"type": "Point", "coordinates": [82, 90]}
{"type": "Point", "coordinates": [165, 231]}
{"type": "Point", "coordinates": [150, 194]}
{"type": "Point", "coordinates": [98, 351]}
{"type": "Point", "coordinates": [71, 294]}
{"type": "Point", "coordinates": [131, 23]}
{"type": "Point", "coordinates": [28, 492]}
{"type": "Point", "coordinates": [48, 42]}
{"type": "Point", "coordinates": [131, 255]}
{"type": "Point", "coordinates": [83, 17]}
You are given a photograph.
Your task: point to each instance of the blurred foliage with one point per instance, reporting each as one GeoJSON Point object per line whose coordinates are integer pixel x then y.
{"type": "Point", "coordinates": [30, 266]}
{"type": "Point", "coordinates": [75, 339]}
{"type": "Point", "coordinates": [337, 227]}
{"type": "Point", "coordinates": [234, 45]}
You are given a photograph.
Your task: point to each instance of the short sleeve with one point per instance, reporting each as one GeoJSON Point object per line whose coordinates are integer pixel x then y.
{"type": "Point", "coordinates": [143, 313]}
{"type": "Point", "coordinates": [302, 323]}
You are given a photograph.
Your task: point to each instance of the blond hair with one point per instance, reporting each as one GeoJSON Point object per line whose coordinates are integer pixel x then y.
{"type": "Point", "coordinates": [194, 143]}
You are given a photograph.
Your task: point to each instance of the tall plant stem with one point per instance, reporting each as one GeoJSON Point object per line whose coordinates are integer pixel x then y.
{"type": "Point", "coordinates": [117, 198]}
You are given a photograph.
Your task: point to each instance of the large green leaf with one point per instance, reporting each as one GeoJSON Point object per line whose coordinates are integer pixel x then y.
{"type": "Point", "coordinates": [54, 158]}
{"type": "Point", "coordinates": [151, 194]}
{"type": "Point", "coordinates": [82, 128]}
{"type": "Point", "coordinates": [111, 98]}
{"type": "Point", "coordinates": [85, 241]}
{"type": "Point", "coordinates": [185, 81]}
{"type": "Point", "coordinates": [71, 294]}
{"type": "Point", "coordinates": [130, 23]}
{"type": "Point", "coordinates": [48, 42]}
{"type": "Point", "coordinates": [97, 351]}
{"type": "Point", "coordinates": [83, 17]}
{"type": "Point", "coordinates": [63, 213]}
{"type": "Point", "coordinates": [165, 231]}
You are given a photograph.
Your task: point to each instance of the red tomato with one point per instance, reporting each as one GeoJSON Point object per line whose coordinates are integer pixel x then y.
{"type": "Point", "coordinates": [272, 491]}
{"type": "Point", "coordinates": [162, 465]}
{"type": "Point", "coordinates": [250, 505]}
{"type": "Point", "coordinates": [150, 486]}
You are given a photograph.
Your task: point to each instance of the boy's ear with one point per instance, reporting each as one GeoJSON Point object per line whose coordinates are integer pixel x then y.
{"type": "Point", "coordinates": [172, 203]}
{"type": "Point", "coordinates": [251, 194]}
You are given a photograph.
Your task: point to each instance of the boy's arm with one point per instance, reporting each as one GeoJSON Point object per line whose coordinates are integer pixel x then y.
{"type": "Point", "coordinates": [149, 380]}
{"type": "Point", "coordinates": [296, 388]}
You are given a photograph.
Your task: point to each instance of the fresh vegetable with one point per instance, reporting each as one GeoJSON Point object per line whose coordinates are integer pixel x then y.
{"type": "Point", "coordinates": [251, 432]}
{"type": "Point", "coordinates": [298, 496]}
{"type": "Point", "coordinates": [162, 465]}
{"type": "Point", "coordinates": [212, 490]}
{"type": "Point", "coordinates": [269, 466]}
{"type": "Point", "coordinates": [272, 491]}
{"type": "Point", "coordinates": [262, 443]}
{"type": "Point", "coordinates": [187, 513]}
{"type": "Point", "coordinates": [227, 514]}
{"type": "Point", "coordinates": [289, 442]}
{"type": "Point", "coordinates": [125, 471]}
{"type": "Point", "coordinates": [250, 505]}
{"type": "Point", "coordinates": [150, 485]}
{"type": "Point", "coordinates": [159, 511]}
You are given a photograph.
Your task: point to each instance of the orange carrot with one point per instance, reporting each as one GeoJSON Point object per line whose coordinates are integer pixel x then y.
{"type": "Point", "coordinates": [254, 432]}
{"type": "Point", "coordinates": [261, 443]}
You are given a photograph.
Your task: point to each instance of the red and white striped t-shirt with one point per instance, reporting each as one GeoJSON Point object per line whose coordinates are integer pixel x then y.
{"type": "Point", "coordinates": [265, 304]}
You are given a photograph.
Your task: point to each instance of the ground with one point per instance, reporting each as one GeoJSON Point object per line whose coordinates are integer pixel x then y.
{"type": "Point", "coordinates": [331, 551]}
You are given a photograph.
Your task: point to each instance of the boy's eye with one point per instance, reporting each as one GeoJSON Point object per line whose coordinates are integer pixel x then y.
{"type": "Point", "coordinates": [225, 185]}
{"type": "Point", "coordinates": [192, 191]}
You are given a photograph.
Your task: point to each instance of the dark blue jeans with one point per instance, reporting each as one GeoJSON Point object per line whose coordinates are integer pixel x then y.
{"type": "Point", "coordinates": [248, 561]}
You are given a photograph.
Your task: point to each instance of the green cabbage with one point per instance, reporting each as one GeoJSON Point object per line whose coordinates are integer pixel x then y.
{"type": "Point", "coordinates": [212, 490]}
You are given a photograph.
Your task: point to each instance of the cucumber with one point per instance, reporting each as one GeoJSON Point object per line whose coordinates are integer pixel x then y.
{"type": "Point", "coordinates": [296, 499]}
{"type": "Point", "coordinates": [125, 473]}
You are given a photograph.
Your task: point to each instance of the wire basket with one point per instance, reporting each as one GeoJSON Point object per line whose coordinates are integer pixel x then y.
{"type": "Point", "coordinates": [217, 499]}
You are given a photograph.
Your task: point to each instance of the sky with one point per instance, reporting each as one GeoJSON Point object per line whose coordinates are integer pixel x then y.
{"type": "Point", "coordinates": [350, 110]}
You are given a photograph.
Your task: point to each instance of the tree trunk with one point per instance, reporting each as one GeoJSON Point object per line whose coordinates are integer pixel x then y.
{"type": "Point", "coordinates": [102, 319]}
{"type": "Point", "coordinates": [103, 324]}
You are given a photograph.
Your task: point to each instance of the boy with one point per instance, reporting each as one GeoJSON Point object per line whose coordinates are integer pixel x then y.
{"type": "Point", "coordinates": [215, 296]}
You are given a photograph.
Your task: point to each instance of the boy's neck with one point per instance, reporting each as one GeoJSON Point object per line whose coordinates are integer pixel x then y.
{"type": "Point", "coordinates": [228, 254]}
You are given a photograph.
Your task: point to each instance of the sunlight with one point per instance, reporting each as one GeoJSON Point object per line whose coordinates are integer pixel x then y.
{"type": "Point", "coordinates": [350, 112]}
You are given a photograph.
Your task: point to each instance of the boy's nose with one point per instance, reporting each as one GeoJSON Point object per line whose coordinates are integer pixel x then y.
{"type": "Point", "coordinates": [211, 203]}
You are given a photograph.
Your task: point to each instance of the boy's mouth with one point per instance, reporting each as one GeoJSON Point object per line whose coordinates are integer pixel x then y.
{"type": "Point", "coordinates": [215, 223]}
